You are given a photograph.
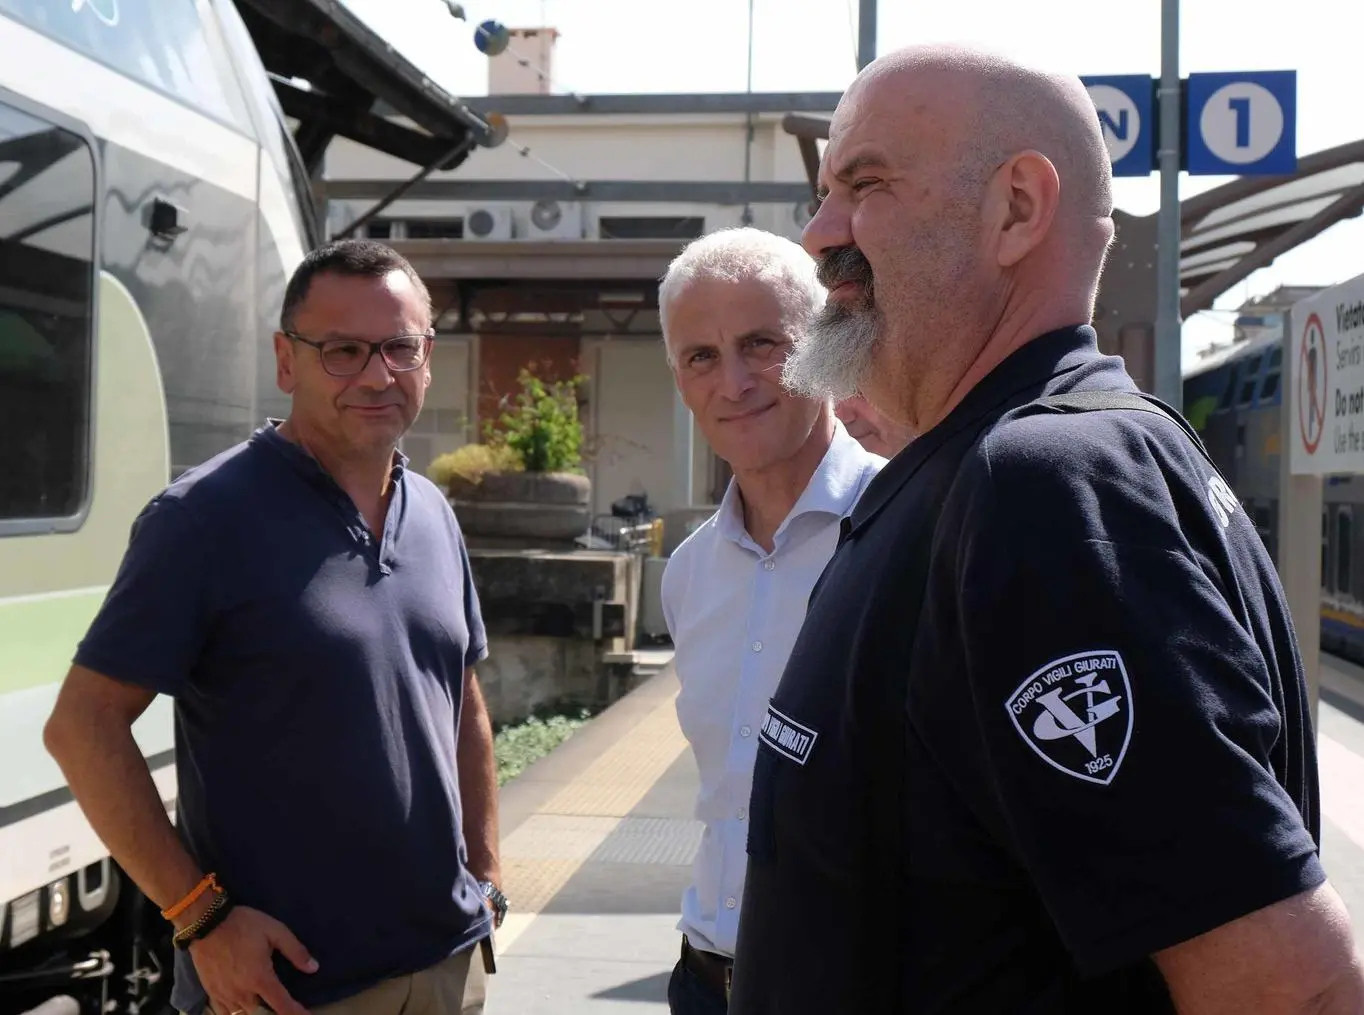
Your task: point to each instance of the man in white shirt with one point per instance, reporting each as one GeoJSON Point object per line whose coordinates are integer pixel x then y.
{"type": "Point", "coordinates": [734, 592]}
{"type": "Point", "coordinates": [872, 428]}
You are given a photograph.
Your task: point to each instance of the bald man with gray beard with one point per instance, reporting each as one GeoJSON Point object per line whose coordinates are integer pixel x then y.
{"type": "Point", "coordinates": [1043, 744]}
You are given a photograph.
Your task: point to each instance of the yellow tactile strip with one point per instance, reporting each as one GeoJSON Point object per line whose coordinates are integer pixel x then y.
{"type": "Point", "coordinates": [551, 845]}
{"type": "Point", "coordinates": [617, 781]}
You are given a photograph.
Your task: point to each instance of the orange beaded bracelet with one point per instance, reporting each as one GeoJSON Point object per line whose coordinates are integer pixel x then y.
{"type": "Point", "coordinates": [209, 881]}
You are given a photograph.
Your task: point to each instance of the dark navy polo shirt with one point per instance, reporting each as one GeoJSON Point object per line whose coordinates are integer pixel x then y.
{"type": "Point", "coordinates": [318, 675]}
{"type": "Point", "coordinates": [1045, 716]}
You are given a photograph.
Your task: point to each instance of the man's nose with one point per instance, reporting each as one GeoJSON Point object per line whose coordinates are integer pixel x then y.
{"type": "Point", "coordinates": [376, 374]}
{"type": "Point", "coordinates": [736, 379]}
{"type": "Point", "coordinates": [829, 229]}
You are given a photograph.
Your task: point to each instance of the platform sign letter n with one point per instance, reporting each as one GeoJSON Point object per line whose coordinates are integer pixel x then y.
{"type": "Point", "coordinates": [1125, 105]}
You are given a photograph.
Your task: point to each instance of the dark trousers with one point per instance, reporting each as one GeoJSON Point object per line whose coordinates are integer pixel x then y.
{"type": "Point", "coordinates": [690, 994]}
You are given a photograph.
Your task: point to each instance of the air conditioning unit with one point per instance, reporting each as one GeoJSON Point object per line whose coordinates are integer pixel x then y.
{"type": "Point", "coordinates": [488, 222]}
{"type": "Point", "coordinates": [556, 220]}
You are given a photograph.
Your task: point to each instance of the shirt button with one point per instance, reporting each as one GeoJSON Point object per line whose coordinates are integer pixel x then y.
{"type": "Point", "coordinates": [730, 903]}
{"type": "Point", "coordinates": [769, 564]}
{"type": "Point", "coordinates": [745, 730]}
{"type": "Point", "coordinates": [743, 813]}
{"type": "Point", "coordinates": [757, 646]}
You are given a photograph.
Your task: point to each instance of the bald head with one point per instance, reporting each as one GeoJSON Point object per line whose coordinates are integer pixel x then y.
{"type": "Point", "coordinates": [984, 109]}
{"type": "Point", "coordinates": [966, 206]}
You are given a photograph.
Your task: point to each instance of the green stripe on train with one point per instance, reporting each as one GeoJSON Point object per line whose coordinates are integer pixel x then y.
{"type": "Point", "coordinates": [39, 636]}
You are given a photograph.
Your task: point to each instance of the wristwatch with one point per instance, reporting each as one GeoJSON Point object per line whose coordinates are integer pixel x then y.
{"type": "Point", "coordinates": [494, 895]}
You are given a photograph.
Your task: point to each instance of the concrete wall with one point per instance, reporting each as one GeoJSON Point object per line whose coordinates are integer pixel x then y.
{"type": "Point", "coordinates": [445, 421]}
{"type": "Point", "coordinates": [699, 148]}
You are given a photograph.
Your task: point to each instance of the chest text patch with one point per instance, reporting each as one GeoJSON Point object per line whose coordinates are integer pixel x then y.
{"type": "Point", "coordinates": [786, 736]}
{"type": "Point", "coordinates": [1076, 714]}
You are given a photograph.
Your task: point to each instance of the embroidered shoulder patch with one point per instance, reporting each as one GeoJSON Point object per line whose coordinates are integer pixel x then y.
{"type": "Point", "coordinates": [1076, 714]}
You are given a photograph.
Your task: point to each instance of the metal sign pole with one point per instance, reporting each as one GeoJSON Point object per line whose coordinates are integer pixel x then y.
{"type": "Point", "coordinates": [1168, 352]}
{"type": "Point", "coordinates": [866, 33]}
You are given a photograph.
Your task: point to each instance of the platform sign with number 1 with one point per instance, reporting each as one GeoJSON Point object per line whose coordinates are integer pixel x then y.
{"type": "Point", "coordinates": [1242, 123]}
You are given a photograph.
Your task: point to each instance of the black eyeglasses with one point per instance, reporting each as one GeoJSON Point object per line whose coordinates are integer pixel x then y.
{"type": "Point", "coordinates": [346, 357]}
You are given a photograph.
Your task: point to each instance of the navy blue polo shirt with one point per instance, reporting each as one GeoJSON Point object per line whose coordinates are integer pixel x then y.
{"type": "Point", "coordinates": [318, 675]}
{"type": "Point", "coordinates": [1045, 716]}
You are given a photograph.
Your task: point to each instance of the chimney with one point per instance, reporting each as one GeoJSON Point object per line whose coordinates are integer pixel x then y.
{"type": "Point", "coordinates": [530, 69]}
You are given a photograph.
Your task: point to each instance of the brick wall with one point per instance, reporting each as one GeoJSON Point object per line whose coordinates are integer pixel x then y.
{"type": "Point", "coordinates": [501, 357]}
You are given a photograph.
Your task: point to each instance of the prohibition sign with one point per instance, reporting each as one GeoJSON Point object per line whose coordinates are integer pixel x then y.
{"type": "Point", "coordinates": [1312, 386]}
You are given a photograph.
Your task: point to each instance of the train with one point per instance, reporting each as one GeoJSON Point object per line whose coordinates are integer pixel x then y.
{"type": "Point", "coordinates": [1233, 399]}
{"type": "Point", "coordinates": [154, 200]}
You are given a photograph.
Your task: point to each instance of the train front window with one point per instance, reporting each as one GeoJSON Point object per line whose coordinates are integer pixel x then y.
{"type": "Point", "coordinates": [1325, 551]}
{"type": "Point", "coordinates": [47, 249]}
{"type": "Point", "coordinates": [1272, 373]}
{"type": "Point", "coordinates": [1343, 523]}
{"type": "Point", "coordinates": [1250, 376]}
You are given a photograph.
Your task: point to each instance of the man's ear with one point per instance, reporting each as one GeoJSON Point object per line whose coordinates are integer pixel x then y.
{"type": "Point", "coordinates": [1025, 194]}
{"type": "Point", "coordinates": [284, 363]}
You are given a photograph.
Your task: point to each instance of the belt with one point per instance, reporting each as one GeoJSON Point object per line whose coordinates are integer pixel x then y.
{"type": "Point", "coordinates": [715, 971]}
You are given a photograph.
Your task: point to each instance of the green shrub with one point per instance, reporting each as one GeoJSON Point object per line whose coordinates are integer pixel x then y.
{"type": "Point", "coordinates": [542, 425]}
{"type": "Point", "coordinates": [472, 462]}
{"type": "Point", "coordinates": [518, 747]}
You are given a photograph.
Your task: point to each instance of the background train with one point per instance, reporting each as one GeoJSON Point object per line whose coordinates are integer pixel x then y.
{"type": "Point", "coordinates": [1233, 399]}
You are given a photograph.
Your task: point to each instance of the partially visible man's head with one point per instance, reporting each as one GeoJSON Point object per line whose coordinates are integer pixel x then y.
{"type": "Point", "coordinates": [960, 190]}
{"type": "Point", "coordinates": [342, 301]}
{"type": "Point", "coordinates": [871, 428]}
{"type": "Point", "coordinates": [731, 305]}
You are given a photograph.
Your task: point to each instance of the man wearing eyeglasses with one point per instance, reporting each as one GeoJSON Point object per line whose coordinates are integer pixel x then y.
{"type": "Point", "coordinates": [307, 602]}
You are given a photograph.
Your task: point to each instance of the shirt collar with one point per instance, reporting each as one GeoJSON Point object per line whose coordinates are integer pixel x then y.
{"type": "Point", "coordinates": [269, 436]}
{"type": "Point", "coordinates": [833, 489]}
{"type": "Point", "coordinates": [1026, 374]}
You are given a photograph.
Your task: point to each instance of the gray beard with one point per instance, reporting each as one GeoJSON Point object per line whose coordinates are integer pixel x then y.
{"type": "Point", "coordinates": [833, 358]}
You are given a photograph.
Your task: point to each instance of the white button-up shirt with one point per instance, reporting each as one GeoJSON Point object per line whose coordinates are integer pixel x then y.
{"type": "Point", "coordinates": [734, 611]}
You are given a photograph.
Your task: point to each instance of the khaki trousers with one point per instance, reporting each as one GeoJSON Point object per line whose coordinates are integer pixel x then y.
{"type": "Point", "coordinates": [456, 986]}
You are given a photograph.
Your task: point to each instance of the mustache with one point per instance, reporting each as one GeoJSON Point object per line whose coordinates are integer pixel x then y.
{"type": "Point", "coordinates": [844, 264]}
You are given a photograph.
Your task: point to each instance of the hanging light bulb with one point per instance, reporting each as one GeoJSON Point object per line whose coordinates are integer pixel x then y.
{"type": "Point", "coordinates": [456, 9]}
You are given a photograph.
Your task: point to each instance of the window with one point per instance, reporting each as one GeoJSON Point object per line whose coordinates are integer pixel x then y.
{"type": "Point", "coordinates": [1230, 390]}
{"type": "Point", "coordinates": [1343, 548]}
{"type": "Point", "coordinates": [1325, 550]}
{"type": "Point", "coordinates": [1271, 385]}
{"type": "Point", "coordinates": [162, 44]}
{"type": "Point", "coordinates": [651, 227]}
{"type": "Point", "coordinates": [1250, 375]}
{"type": "Point", "coordinates": [47, 247]}
{"type": "Point", "coordinates": [435, 229]}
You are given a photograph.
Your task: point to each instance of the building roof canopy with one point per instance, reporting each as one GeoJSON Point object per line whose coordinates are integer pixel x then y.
{"type": "Point", "coordinates": [347, 67]}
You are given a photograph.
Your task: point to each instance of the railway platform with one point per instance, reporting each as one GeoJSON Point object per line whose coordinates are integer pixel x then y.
{"type": "Point", "coordinates": [598, 838]}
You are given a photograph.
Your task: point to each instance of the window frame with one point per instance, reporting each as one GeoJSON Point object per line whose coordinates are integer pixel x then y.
{"type": "Point", "coordinates": [60, 524]}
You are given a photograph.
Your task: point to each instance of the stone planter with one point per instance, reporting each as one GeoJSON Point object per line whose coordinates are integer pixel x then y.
{"type": "Point", "coordinates": [551, 506]}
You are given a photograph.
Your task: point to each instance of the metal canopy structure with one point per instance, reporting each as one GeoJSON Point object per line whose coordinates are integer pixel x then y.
{"type": "Point", "coordinates": [1228, 233]}
{"type": "Point", "coordinates": [1244, 225]}
{"type": "Point", "coordinates": [347, 66]}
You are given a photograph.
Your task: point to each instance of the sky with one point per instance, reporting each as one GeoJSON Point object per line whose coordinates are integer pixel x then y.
{"type": "Point", "coordinates": [652, 46]}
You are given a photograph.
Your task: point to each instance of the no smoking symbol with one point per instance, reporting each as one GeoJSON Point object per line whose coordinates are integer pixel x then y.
{"type": "Point", "coordinates": [1312, 385]}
